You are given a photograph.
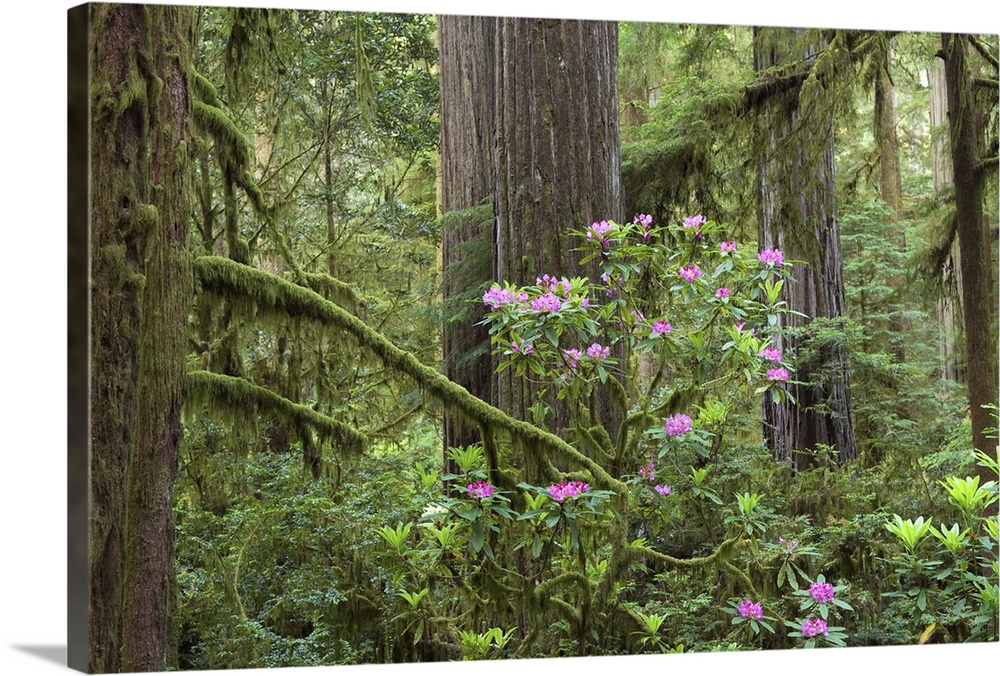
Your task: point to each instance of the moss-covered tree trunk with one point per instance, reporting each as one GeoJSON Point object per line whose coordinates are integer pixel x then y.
{"type": "Point", "coordinates": [797, 210]}
{"type": "Point", "coordinates": [558, 163]}
{"type": "Point", "coordinates": [979, 297]}
{"type": "Point", "coordinates": [141, 298]}
{"type": "Point", "coordinates": [467, 136]}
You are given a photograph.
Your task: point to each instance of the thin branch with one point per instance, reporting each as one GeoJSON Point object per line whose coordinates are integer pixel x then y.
{"type": "Point", "coordinates": [984, 51]}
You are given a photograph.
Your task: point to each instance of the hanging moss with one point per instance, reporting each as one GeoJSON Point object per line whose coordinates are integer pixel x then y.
{"type": "Point", "coordinates": [204, 90]}
{"type": "Point", "coordinates": [219, 126]}
{"type": "Point", "coordinates": [241, 396]}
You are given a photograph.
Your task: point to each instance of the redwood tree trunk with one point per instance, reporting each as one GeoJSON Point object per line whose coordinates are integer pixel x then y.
{"type": "Point", "coordinates": [558, 160]}
{"type": "Point", "coordinates": [978, 292]}
{"type": "Point", "coordinates": [798, 214]}
{"type": "Point", "coordinates": [467, 139]}
{"type": "Point", "coordinates": [141, 298]}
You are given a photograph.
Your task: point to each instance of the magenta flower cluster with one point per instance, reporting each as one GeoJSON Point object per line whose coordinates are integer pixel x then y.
{"type": "Point", "coordinates": [522, 347]}
{"type": "Point", "coordinates": [822, 592]}
{"type": "Point", "coordinates": [496, 297]}
{"type": "Point", "coordinates": [649, 471]}
{"type": "Point", "coordinates": [771, 353]}
{"type": "Point", "coordinates": [599, 232]}
{"type": "Point", "coordinates": [749, 609]}
{"type": "Point", "coordinates": [552, 285]}
{"type": "Point", "coordinates": [677, 424]}
{"type": "Point", "coordinates": [695, 221]}
{"type": "Point", "coordinates": [645, 221]}
{"type": "Point", "coordinates": [727, 247]}
{"type": "Point", "coordinates": [567, 489]}
{"type": "Point", "coordinates": [480, 489]}
{"type": "Point", "coordinates": [814, 627]}
{"type": "Point", "coordinates": [689, 273]}
{"type": "Point", "coordinates": [547, 303]}
{"type": "Point", "coordinates": [771, 256]}
{"type": "Point", "coordinates": [597, 352]}
{"type": "Point", "coordinates": [663, 489]}
{"type": "Point", "coordinates": [572, 356]}
{"type": "Point", "coordinates": [722, 292]}
{"type": "Point", "coordinates": [778, 374]}
{"type": "Point", "coordinates": [661, 326]}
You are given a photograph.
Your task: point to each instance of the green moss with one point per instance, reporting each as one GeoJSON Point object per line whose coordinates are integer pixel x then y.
{"type": "Point", "coordinates": [219, 126]}
{"type": "Point", "coordinates": [204, 90]}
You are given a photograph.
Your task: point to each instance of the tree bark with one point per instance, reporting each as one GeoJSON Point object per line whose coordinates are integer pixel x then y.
{"type": "Point", "coordinates": [468, 128]}
{"type": "Point", "coordinates": [798, 213]}
{"type": "Point", "coordinates": [141, 299]}
{"type": "Point", "coordinates": [558, 162]}
{"type": "Point", "coordinates": [978, 292]}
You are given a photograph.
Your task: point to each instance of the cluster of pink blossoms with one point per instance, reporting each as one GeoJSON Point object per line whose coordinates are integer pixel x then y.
{"type": "Point", "coordinates": [597, 352]}
{"type": "Point", "coordinates": [552, 285]}
{"type": "Point", "coordinates": [663, 489]}
{"type": "Point", "coordinates": [771, 353]}
{"type": "Point", "coordinates": [749, 609]}
{"type": "Point", "coordinates": [727, 247]}
{"type": "Point", "coordinates": [771, 256]}
{"type": "Point", "coordinates": [480, 489]}
{"type": "Point", "coordinates": [497, 296]}
{"type": "Point", "coordinates": [689, 273]}
{"type": "Point", "coordinates": [645, 221]}
{"type": "Point", "coordinates": [677, 424]}
{"type": "Point", "coordinates": [661, 326]}
{"type": "Point", "coordinates": [778, 374]}
{"type": "Point", "coordinates": [822, 592]}
{"type": "Point", "coordinates": [722, 292]}
{"type": "Point", "coordinates": [567, 489]}
{"type": "Point", "coordinates": [695, 221]}
{"type": "Point", "coordinates": [572, 356]}
{"type": "Point", "coordinates": [599, 231]}
{"type": "Point", "coordinates": [522, 347]}
{"type": "Point", "coordinates": [649, 471]}
{"type": "Point", "coordinates": [814, 627]}
{"type": "Point", "coordinates": [547, 303]}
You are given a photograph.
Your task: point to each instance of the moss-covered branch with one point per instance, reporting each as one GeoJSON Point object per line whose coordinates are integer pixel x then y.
{"type": "Point", "coordinates": [274, 294]}
{"type": "Point", "coordinates": [243, 396]}
{"type": "Point", "coordinates": [725, 551]}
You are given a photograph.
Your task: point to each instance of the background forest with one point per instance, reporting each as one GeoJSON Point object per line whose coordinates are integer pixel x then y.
{"type": "Point", "coordinates": [427, 338]}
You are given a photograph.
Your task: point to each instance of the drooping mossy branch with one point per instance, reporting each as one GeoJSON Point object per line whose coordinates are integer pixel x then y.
{"type": "Point", "coordinates": [242, 396]}
{"type": "Point", "coordinates": [272, 293]}
{"type": "Point", "coordinates": [725, 551]}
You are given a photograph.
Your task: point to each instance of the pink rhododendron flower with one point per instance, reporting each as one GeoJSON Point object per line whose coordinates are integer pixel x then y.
{"type": "Point", "coordinates": [822, 592]}
{"type": "Point", "coordinates": [779, 374]}
{"type": "Point", "coordinates": [663, 490]}
{"type": "Point", "coordinates": [771, 256]}
{"type": "Point", "coordinates": [695, 221]}
{"type": "Point", "coordinates": [649, 471]}
{"type": "Point", "coordinates": [662, 326]}
{"type": "Point", "coordinates": [546, 303]}
{"type": "Point", "coordinates": [567, 489]}
{"type": "Point", "coordinates": [677, 424]}
{"type": "Point", "coordinates": [814, 627]}
{"type": "Point", "coordinates": [597, 352]}
{"type": "Point", "coordinates": [522, 347]}
{"type": "Point", "coordinates": [750, 609]}
{"type": "Point", "coordinates": [722, 292]}
{"type": "Point", "coordinates": [572, 356]}
{"type": "Point", "coordinates": [480, 489]}
{"type": "Point", "coordinates": [727, 247]}
{"type": "Point", "coordinates": [599, 231]}
{"type": "Point", "coordinates": [645, 220]}
{"type": "Point", "coordinates": [689, 273]}
{"type": "Point", "coordinates": [496, 297]}
{"type": "Point", "coordinates": [771, 353]}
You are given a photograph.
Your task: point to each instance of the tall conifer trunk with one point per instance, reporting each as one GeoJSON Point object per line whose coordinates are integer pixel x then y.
{"type": "Point", "coordinates": [798, 214]}
{"type": "Point", "coordinates": [978, 292]}
{"type": "Point", "coordinates": [141, 299]}
{"type": "Point", "coordinates": [467, 46]}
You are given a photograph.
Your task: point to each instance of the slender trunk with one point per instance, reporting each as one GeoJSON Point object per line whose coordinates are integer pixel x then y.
{"type": "Point", "coordinates": [978, 292]}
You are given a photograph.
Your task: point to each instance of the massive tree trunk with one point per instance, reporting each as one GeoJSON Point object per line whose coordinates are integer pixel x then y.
{"type": "Point", "coordinates": [141, 297]}
{"type": "Point", "coordinates": [949, 305]}
{"type": "Point", "coordinates": [467, 140]}
{"type": "Point", "coordinates": [798, 214]}
{"type": "Point", "coordinates": [558, 161]}
{"type": "Point", "coordinates": [978, 292]}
